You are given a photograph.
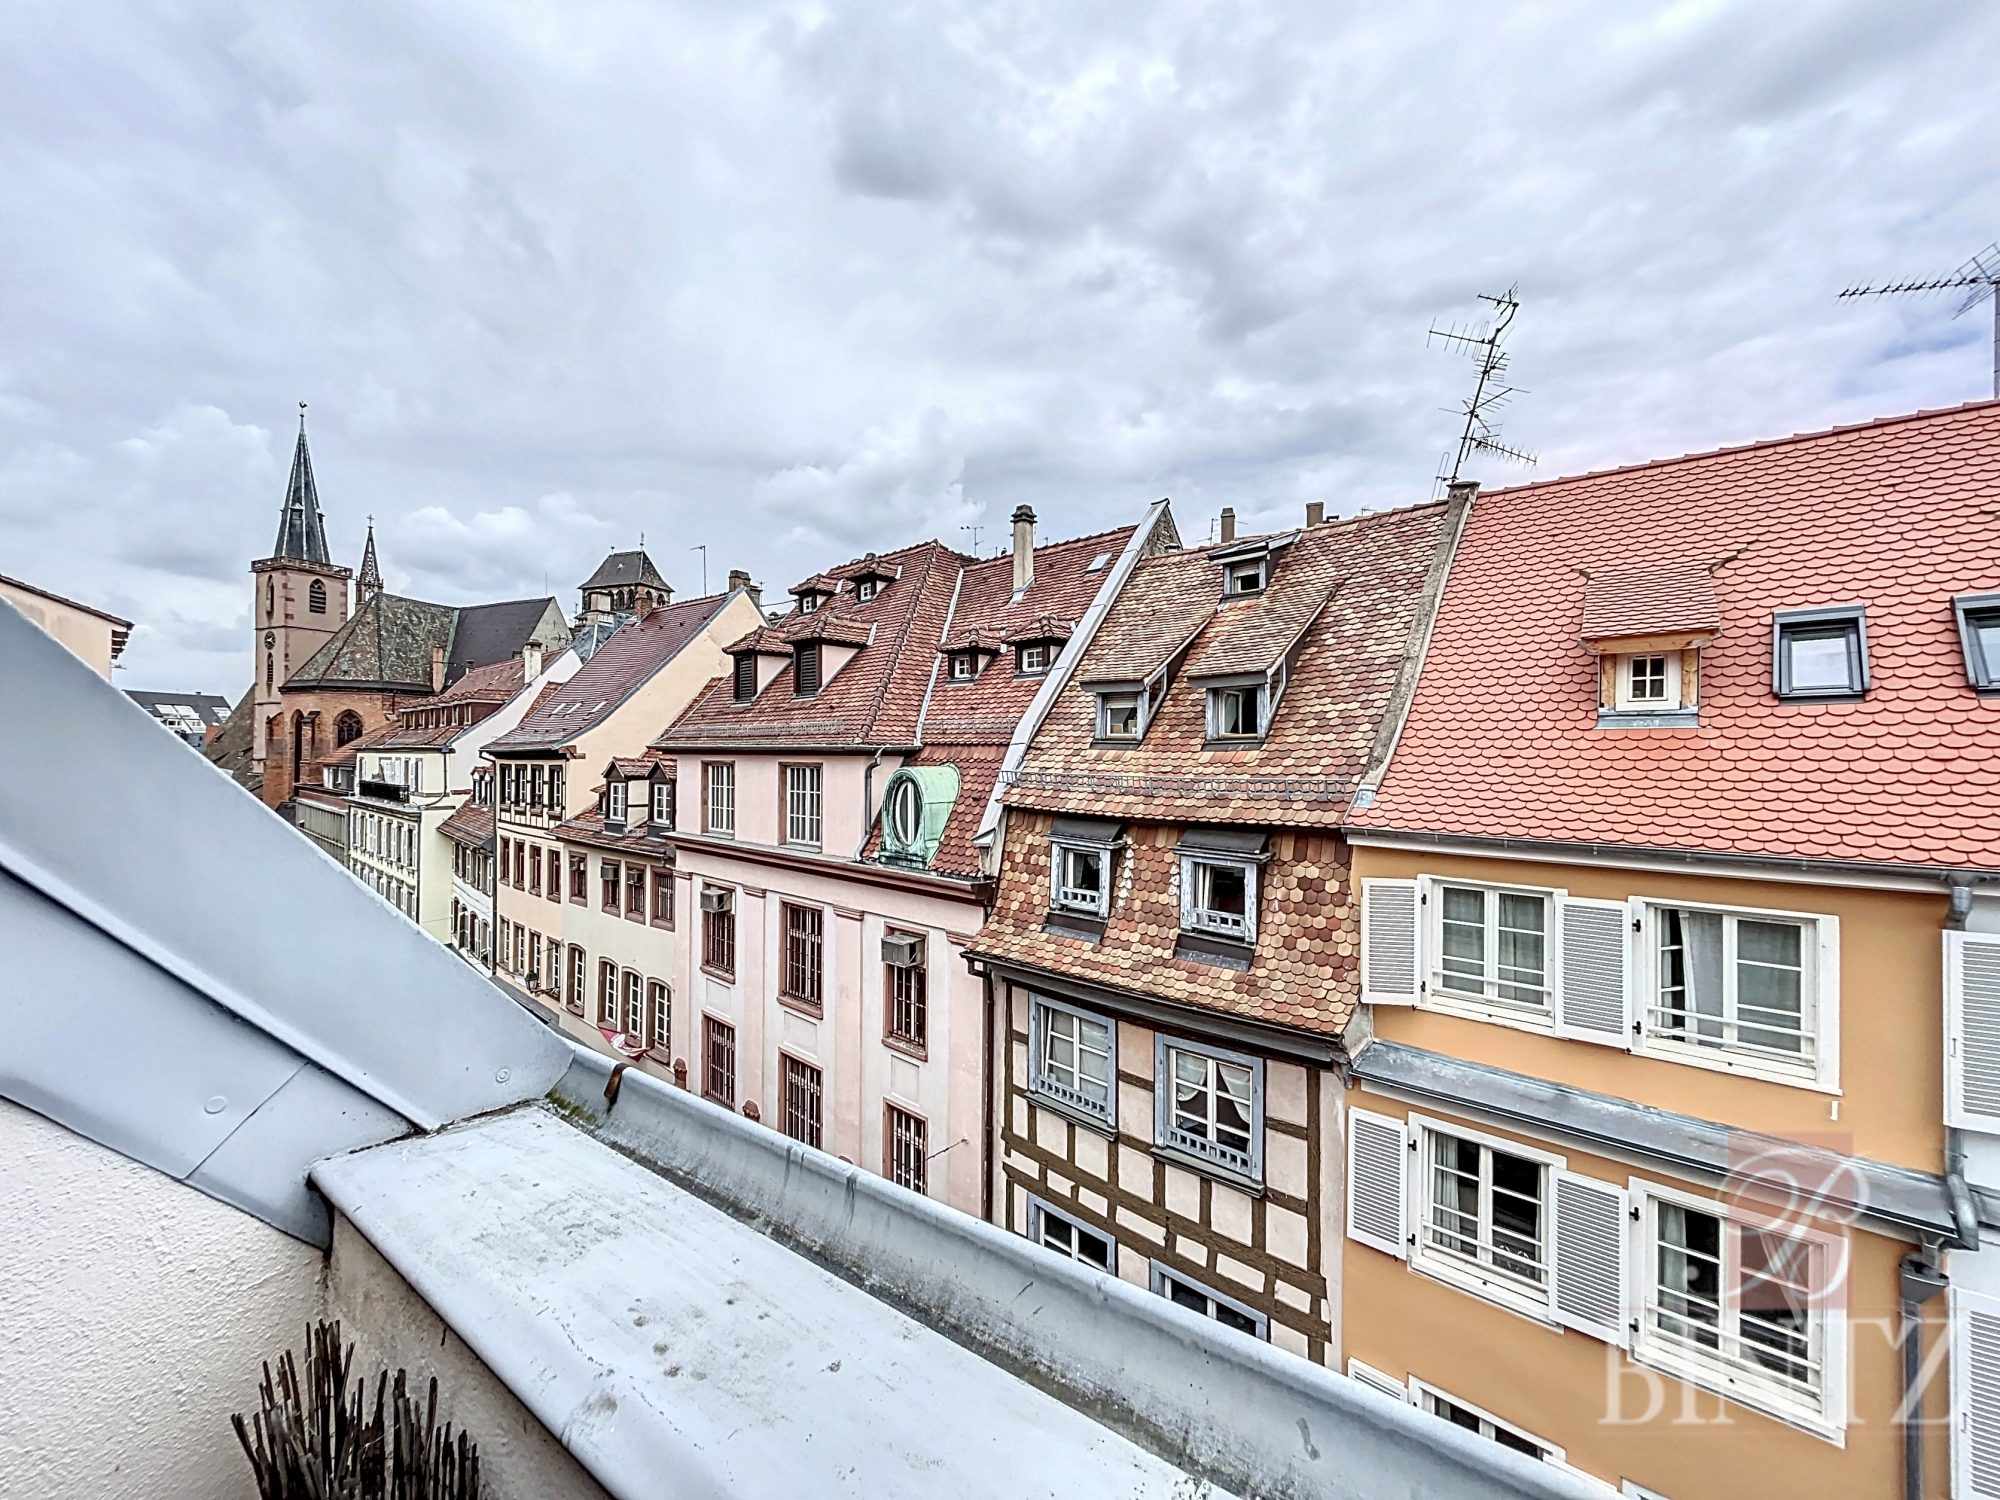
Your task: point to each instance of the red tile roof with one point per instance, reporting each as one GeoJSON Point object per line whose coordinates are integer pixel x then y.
{"type": "Point", "coordinates": [470, 824]}
{"type": "Point", "coordinates": [1899, 515]}
{"type": "Point", "coordinates": [1353, 587]}
{"type": "Point", "coordinates": [616, 670]}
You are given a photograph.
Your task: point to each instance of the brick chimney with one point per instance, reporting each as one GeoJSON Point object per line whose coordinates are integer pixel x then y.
{"type": "Point", "coordinates": [739, 579]}
{"type": "Point", "coordinates": [1228, 523]}
{"type": "Point", "coordinates": [437, 669]}
{"type": "Point", "coordinates": [531, 661]}
{"type": "Point", "coordinates": [1315, 512]}
{"type": "Point", "coordinates": [1024, 548]}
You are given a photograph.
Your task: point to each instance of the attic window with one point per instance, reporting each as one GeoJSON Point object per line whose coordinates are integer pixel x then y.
{"type": "Point", "coordinates": [1237, 712]}
{"type": "Point", "coordinates": [808, 603]}
{"type": "Point", "coordinates": [1099, 563]}
{"type": "Point", "coordinates": [1031, 661]}
{"type": "Point", "coordinates": [1118, 716]}
{"type": "Point", "coordinates": [1819, 653]}
{"type": "Point", "coordinates": [1244, 578]}
{"type": "Point", "coordinates": [1648, 682]}
{"type": "Point", "coordinates": [746, 677]}
{"type": "Point", "coordinates": [964, 666]}
{"type": "Point", "coordinates": [805, 668]}
{"type": "Point", "coordinates": [1979, 631]}
{"type": "Point", "coordinates": [866, 589]}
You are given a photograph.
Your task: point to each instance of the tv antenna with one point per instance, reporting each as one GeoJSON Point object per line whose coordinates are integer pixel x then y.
{"type": "Point", "coordinates": [975, 530]}
{"type": "Point", "coordinates": [1978, 278]}
{"type": "Point", "coordinates": [1482, 343]}
{"type": "Point", "coordinates": [702, 548]}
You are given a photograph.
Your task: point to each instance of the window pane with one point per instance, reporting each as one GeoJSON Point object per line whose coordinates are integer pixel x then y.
{"type": "Point", "coordinates": [1223, 890]}
{"type": "Point", "coordinates": [1819, 657]}
{"type": "Point", "coordinates": [1229, 1317]}
{"type": "Point", "coordinates": [1985, 629]}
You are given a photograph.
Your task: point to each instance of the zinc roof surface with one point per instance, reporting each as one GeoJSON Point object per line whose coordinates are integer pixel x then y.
{"type": "Point", "coordinates": [1898, 515]}
{"type": "Point", "coordinates": [615, 670]}
{"type": "Point", "coordinates": [1325, 726]}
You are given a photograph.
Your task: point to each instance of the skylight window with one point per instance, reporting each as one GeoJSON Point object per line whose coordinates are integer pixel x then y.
{"type": "Point", "coordinates": [1820, 653]}
{"type": "Point", "coordinates": [1979, 631]}
{"type": "Point", "coordinates": [1099, 563]}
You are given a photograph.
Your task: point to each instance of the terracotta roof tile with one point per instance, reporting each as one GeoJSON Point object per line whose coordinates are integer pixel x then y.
{"type": "Point", "coordinates": [1657, 599]}
{"type": "Point", "coordinates": [470, 824]}
{"type": "Point", "coordinates": [1898, 515]}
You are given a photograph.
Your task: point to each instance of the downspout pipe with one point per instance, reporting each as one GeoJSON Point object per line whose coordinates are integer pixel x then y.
{"type": "Point", "coordinates": [868, 801]}
{"type": "Point", "coordinates": [1964, 1213]}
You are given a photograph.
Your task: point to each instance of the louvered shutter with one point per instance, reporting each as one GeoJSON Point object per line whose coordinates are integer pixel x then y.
{"type": "Point", "coordinates": [1377, 1160]}
{"type": "Point", "coordinates": [1975, 1395]}
{"type": "Point", "coordinates": [1375, 1380]}
{"type": "Point", "coordinates": [1391, 921]}
{"type": "Point", "coordinates": [1593, 963]}
{"type": "Point", "coordinates": [1587, 1258]}
{"type": "Point", "coordinates": [1972, 1029]}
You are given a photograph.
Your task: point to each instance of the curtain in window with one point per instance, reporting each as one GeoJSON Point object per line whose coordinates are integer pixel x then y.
{"type": "Point", "coordinates": [1700, 935]}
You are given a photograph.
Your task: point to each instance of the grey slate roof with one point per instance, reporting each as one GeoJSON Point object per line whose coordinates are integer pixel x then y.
{"type": "Point", "coordinates": [493, 632]}
{"type": "Point", "coordinates": [210, 708]}
{"type": "Point", "coordinates": [301, 530]}
{"type": "Point", "coordinates": [387, 641]}
{"type": "Point", "coordinates": [622, 568]}
{"type": "Point", "coordinates": [230, 749]}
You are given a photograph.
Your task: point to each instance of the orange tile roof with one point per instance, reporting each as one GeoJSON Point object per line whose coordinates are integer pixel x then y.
{"type": "Point", "coordinates": [1374, 569]}
{"type": "Point", "coordinates": [1898, 515]}
{"type": "Point", "coordinates": [472, 824]}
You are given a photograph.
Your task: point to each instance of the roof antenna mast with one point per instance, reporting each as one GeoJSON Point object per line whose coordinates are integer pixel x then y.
{"type": "Point", "coordinates": [1978, 278]}
{"type": "Point", "coordinates": [975, 530]}
{"type": "Point", "coordinates": [702, 548]}
{"type": "Point", "coordinates": [1482, 344]}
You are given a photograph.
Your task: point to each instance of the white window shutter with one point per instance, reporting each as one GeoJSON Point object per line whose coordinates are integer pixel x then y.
{"type": "Point", "coordinates": [1391, 922]}
{"type": "Point", "coordinates": [1972, 1030]}
{"type": "Point", "coordinates": [1376, 1380]}
{"type": "Point", "coordinates": [1593, 971]}
{"type": "Point", "coordinates": [1378, 1152]}
{"type": "Point", "coordinates": [1587, 1257]}
{"type": "Point", "coordinates": [1975, 1395]}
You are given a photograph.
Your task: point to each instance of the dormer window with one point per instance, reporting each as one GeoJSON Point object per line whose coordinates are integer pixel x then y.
{"type": "Point", "coordinates": [808, 603]}
{"type": "Point", "coordinates": [1118, 716]}
{"type": "Point", "coordinates": [746, 677]}
{"type": "Point", "coordinates": [964, 666]}
{"type": "Point", "coordinates": [1244, 578]}
{"type": "Point", "coordinates": [663, 805]}
{"type": "Point", "coordinates": [866, 589]}
{"type": "Point", "coordinates": [1647, 682]}
{"type": "Point", "coordinates": [1031, 661]}
{"type": "Point", "coordinates": [1236, 712]}
{"type": "Point", "coordinates": [614, 803]}
{"type": "Point", "coordinates": [1081, 854]}
{"type": "Point", "coordinates": [1979, 632]}
{"type": "Point", "coordinates": [1820, 653]}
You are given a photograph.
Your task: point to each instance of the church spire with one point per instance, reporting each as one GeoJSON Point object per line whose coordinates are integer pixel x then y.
{"type": "Point", "coordinates": [301, 529]}
{"type": "Point", "coordinates": [370, 582]}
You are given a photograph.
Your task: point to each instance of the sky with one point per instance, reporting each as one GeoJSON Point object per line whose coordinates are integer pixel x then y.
{"type": "Point", "coordinates": [796, 283]}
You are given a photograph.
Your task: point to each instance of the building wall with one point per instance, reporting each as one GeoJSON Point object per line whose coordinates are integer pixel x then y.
{"type": "Point", "coordinates": [862, 1071]}
{"type": "Point", "coordinates": [1595, 1401]}
{"type": "Point", "coordinates": [635, 944]}
{"type": "Point", "coordinates": [311, 714]}
{"type": "Point", "coordinates": [88, 636]}
{"type": "Point", "coordinates": [135, 1314]}
{"type": "Point", "coordinates": [280, 609]}
{"type": "Point", "coordinates": [1891, 1020]}
{"type": "Point", "coordinates": [325, 823]}
{"type": "Point", "coordinates": [393, 1327]}
{"type": "Point", "coordinates": [1272, 1251]}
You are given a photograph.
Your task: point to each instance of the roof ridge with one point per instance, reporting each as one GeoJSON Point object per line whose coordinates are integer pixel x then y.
{"type": "Point", "coordinates": [909, 629]}
{"type": "Point", "coordinates": [1927, 413]}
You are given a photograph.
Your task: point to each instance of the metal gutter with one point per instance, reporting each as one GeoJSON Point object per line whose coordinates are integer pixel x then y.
{"type": "Point", "coordinates": [1897, 1197]}
{"type": "Point", "coordinates": [1458, 508]}
{"type": "Point", "coordinates": [1767, 866]}
{"type": "Point", "coordinates": [1052, 686]}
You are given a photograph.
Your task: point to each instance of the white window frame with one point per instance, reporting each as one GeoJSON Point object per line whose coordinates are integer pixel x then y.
{"type": "Point", "coordinates": [1819, 950]}
{"type": "Point", "coordinates": [1423, 1394]}
{"type": "Point", "coordinates": [616, 801]}
{"type": "Point", "coordinates": [1061, 894]}
{"type": "Point", "coordinates": [1070, 1098]}
{"type": "Point", "coordinates": [963, 666]}
{"type": "Point", "coordinates": [1488, 1006]}
{"type": "Point", "coordinates": [1104, 702]}
{"type": "Point", "coordinates": [1041, 1211]}
{"type": "Point", "coordinates": [1259, 694]}
{"type": "Point", "coordinates": [1624, 694]}
{"type": "Point", "coordinates": [1660, 1351]}
{"type": "Point", "coordinates": [1201, 919]}
{"type": "Point", "coordinates": [866, 589]}
{"type": "Point", "coordinates": [1248, 1164]}
{"type": "Point", "coordinates": [1159, 1275]}
{"type": "Point", "coordinates": [1480, 1280]}
{"type": "Point", "coordinates": [1234, 573]}
{"type": "Point", "coordinates": [1031, 661]}
{"type": "Point", "coordinates": [661, 810]}
{"type": "Point", "coordinates": [719, 797]}
{"type": "Point", "coordinates": [805, 787]}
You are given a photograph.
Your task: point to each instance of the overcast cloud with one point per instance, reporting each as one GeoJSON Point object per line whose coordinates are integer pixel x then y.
{"type": "Point", "coordinates": [802, 282]}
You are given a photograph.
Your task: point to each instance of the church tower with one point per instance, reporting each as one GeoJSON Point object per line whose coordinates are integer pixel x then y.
{"type": "Point", "coordinates": [301, 599]}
